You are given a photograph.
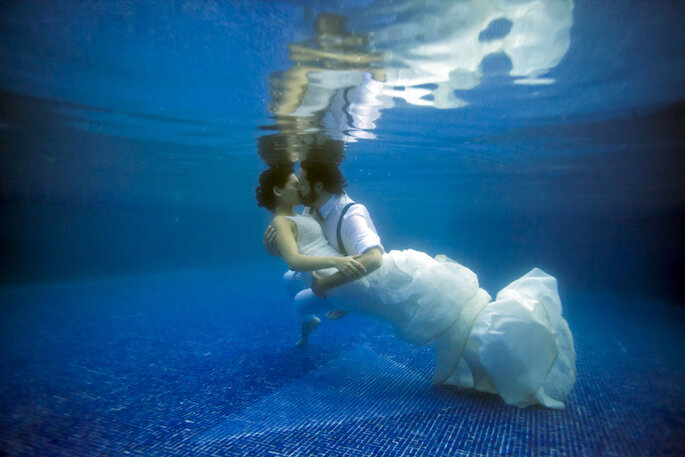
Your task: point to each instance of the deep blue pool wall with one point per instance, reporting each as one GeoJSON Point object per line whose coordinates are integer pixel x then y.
{"type": "Point", "coordinates": [48, 242]}
{"type": "Point", "coordinates": [638, 254]}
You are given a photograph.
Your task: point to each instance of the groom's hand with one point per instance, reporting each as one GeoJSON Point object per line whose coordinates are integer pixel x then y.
{"type": "Point", "coordinates": [316, 286]}
{"type": "Point", "coordinates": [270, 241]}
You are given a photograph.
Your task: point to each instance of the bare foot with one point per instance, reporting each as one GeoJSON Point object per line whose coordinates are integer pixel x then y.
{"type": "Point", "coordinates": [335, 315]}
{"type": "Point", "coordinates": [307, 328]}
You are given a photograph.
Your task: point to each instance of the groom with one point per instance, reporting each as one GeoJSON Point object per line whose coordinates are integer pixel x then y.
{"type": "Point", "coordinates": [348, 228]}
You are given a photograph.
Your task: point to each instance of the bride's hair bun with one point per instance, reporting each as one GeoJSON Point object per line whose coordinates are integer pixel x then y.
{"type": "Point", "coordinates": [270, 178]}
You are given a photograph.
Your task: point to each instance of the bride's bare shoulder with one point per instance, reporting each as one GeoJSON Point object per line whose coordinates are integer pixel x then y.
{"type": "Point", "coordinates": [284, 222]}
{"type": "Point", "coordinates": [280, 219]}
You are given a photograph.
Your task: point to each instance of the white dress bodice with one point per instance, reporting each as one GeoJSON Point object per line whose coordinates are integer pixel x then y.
{"type": "Point", "coordinates": [310, 237]}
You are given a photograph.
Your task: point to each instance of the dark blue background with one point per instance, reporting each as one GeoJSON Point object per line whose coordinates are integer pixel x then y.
{"type": "Point", "coordinates": [139, 313]}
{"type": "Point", "coordinates": [129, 145]}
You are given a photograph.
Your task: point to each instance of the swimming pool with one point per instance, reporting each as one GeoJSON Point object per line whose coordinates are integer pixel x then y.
{"type": "Point", "coordinates": [141, 315]}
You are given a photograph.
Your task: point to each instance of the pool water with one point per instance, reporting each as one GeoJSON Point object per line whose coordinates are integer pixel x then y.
{"type": "Point", "coordinates": [203, 363]}
{"type": "Point", "coordinates": [140, 315]}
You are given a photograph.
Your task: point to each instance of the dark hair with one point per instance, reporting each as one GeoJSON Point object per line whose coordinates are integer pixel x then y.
{"type": "Point", "coordinates": [328, 174]}
{"type": "Point", "coordinates": [274, 150]}
{"type": "Point", "coordinates": [270, 178]}
{"type": "Point", "coordinates": [325, 149]}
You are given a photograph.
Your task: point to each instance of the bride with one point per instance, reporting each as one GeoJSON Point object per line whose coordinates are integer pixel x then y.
{"type": "Point", "coordinates": [518, 346]}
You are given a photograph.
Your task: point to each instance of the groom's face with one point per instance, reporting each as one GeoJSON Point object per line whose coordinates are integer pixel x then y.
{"type": "Point", "coordinates": [307, 192]}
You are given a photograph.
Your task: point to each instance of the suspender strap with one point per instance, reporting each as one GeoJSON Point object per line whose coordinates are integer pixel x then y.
{"type": "Point", "coordinates": [341, 247]}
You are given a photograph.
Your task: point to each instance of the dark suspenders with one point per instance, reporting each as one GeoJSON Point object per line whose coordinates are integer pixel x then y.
{"type": "Point", "coordinates": [341, 247]}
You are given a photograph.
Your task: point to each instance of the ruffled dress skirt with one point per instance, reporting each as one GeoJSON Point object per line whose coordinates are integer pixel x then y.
{"type": "Point", "coordinates": [518, 346]}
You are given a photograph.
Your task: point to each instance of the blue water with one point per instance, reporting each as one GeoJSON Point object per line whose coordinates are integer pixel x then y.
{"type": "Point", "coordinates": [140, 314]}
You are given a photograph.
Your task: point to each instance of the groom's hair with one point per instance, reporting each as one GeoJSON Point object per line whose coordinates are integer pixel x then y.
{"type": "Point", "coordinates": [328, 174]}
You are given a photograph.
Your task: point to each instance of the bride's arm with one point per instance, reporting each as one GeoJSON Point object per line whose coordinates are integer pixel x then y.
{"type": "Point", "coordinates": [371, 259]}
{"type": "Point", "coordinates": [300, 262]}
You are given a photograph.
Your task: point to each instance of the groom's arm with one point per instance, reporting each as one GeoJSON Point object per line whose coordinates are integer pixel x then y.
{"type": "Point", "coordinates": [360, 231]}
{"type": "Point", "coordinates": [372, 261]}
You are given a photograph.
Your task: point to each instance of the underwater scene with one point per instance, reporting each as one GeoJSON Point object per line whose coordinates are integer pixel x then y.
{"type": "Point", "coordinates": [342, 228]}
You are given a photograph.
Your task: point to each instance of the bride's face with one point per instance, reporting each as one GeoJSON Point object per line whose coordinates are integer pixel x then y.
{"type": "Point", "coordinates": [290, 193]}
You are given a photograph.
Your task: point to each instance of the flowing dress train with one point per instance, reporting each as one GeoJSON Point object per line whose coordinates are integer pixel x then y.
{"type": "Point", "coordinates": [518, 346]}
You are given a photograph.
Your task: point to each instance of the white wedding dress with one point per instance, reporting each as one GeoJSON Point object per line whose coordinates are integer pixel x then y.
{"type": "Point", "coordinates": [518, 346]}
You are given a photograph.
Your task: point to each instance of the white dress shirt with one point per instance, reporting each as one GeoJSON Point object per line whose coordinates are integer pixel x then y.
{"type": "Point", "coordinates": [357, 231]}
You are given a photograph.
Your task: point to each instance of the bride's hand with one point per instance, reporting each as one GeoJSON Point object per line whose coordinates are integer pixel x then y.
{"type": "Point", "coordinates": [349, 266]}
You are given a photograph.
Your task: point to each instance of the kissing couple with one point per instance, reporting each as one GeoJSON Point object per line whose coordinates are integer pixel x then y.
{"type": "Point", "coordinates": [518, 346]}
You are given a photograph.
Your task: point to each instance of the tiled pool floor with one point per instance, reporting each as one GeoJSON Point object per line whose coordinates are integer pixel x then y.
{"type": "Point", "coordinates": [203, 364]}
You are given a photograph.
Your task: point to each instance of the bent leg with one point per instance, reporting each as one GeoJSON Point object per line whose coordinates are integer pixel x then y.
{"type": "Point", "coordinates": [307, 305]}
{"type": "Point", "coordinates": [307, 328]}
{"type": "Point", "coordinates": [296, 281]}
